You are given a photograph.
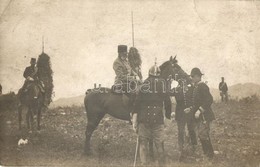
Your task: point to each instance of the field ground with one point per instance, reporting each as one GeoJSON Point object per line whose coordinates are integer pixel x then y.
{"type": "Point", "coordinates": [235, 135]}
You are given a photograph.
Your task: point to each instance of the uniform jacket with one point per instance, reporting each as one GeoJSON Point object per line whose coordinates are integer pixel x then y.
{"type": "Point", "coordinates": [30, 72]}
{"type": "Point", "coordinates": [203, 98]}
{"type": "Point", "coordinates": [223, 87]}
{"type": "Point", "coordinates": [149, 102]}
{"type": "Point", "coordinates": [182, 101]}
{"type": "Point", "coordinates": [122, 69]}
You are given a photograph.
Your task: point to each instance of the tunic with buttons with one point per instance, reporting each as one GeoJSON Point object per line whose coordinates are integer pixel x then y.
{"type": "Point", "coordinates": [150, 100]}
{"type": "Point", "coordinates": [202, 98]}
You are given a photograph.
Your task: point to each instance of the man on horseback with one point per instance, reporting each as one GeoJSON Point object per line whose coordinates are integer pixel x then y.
{"type": "Point", "coordinates": [148, 119]}
{"type": "Point", "coordinates": [124, 73]}
{"type": "Point", "coordinates": [31, 77]}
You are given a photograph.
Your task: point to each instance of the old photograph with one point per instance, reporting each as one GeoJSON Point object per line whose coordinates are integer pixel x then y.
{"type": "Point", "coordinates": [139, 83]}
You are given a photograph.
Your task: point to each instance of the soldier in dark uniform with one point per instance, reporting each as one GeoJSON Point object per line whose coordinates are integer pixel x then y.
{"type": "Point", "coordinates": [123, 70]}
{"type": "Point", "coordinates": [0, 89]}
{"type": "Point", "coordinates": [31, 76]}
{"type": "Point", "coordinates": [148, 119]}
{"type": "Point", "coordinates": [223, 90]}
{"type": "Point", "coordinates": [183, 96]}
{"type": "Point", "coordinates": [201, 108]}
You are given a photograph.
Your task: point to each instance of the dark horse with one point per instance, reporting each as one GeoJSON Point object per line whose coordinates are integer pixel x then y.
{"type": "Point", "coordinates": [33, 100]}
{"type": "Point", "coordinates": [103, 101]}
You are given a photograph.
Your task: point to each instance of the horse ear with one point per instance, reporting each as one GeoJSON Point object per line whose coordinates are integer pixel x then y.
{"type": "Point", "coordinates": [175, 57]}
{"type": "Point", "coordinates": [171, 58]}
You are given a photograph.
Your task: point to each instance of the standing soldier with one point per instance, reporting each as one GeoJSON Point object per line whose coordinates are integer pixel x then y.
{"type": "Point", "coordinates": [0, 89]}
{"type": "Point", "coordinates": [148, 119]}
{"type": "Point", "coordinates": [123, 70]}
{"type": "Point", "coordinates": [223, 90]}
{"type": "Point", "coordinates": [201, 107]}
{"type": "Point", "coordinates": [183, 97]}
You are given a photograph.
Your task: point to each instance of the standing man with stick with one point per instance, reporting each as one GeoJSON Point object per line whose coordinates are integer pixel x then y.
{"type": "Point", "coordinates": [148, 119]}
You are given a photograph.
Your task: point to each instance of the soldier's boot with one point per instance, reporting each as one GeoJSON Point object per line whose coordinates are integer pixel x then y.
{"type": "Point", "coordinates": [210, 150]}
{"type": "Point", "coordinates": [207, 148]}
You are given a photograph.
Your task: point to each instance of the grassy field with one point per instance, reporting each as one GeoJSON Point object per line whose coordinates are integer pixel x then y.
{"type": "Point", "coordinates": [235, 135]}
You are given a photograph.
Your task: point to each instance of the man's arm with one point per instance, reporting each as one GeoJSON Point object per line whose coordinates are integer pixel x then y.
{"type": "Point", "coordinates": [118, 68]}
{"type": "Point", "coordinates": [207, 98]}
{"type": "Point", "coordinates": [26, 73]}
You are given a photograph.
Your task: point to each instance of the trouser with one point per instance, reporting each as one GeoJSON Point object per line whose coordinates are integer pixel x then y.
{"type": "Point", "coordinates": [147, 132]}
{"type": "Point", "coordinates": [203, 134]}
{"type": "Point", "coordinates": [224, 96]}
{"type": "Point", "coordinates": [191, 124]}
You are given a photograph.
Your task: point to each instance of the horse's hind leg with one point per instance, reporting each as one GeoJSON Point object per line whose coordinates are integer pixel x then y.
{"type": "Point", "coordinates": [20, 116]}
{"type": "Point", "coordinates": [28, 119]}
{"type": "Point", "coordinates": [93, 122]}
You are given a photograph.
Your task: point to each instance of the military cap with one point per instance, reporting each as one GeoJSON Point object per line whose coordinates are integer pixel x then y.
{"type": "Point", "coordinates": [33, 60]}
{"type": "Point", "coordinates": [195, 71]}
{"type": "Point", "coordinates": [122, 48]}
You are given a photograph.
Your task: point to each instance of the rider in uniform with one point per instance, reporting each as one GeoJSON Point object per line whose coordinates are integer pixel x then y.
{"type": "Point", "coordinates": [31, 76]}
{"type": "Point", "coordinates": [148, 119]}
{"type": "Point", "coordinates": [201, 108]}
{"type": "Point", "coordinates": [123, 70]}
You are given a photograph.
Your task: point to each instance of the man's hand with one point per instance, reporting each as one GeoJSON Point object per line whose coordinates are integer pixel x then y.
{"type": "Point", "coordinates": [187, 110]}
{"type": "Point", "coordinates": [197, 114]}
{"type": "Point", "coordinates": [135, 122]}
{"type": "Point", "coordinates": [30, 79]}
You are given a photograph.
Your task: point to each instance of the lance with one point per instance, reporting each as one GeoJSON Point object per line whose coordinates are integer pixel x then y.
{"type": "Point", "coordinates": [133, 38]}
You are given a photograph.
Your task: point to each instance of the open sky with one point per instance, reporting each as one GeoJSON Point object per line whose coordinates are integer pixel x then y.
{"type": "Point", "coordinates": [81, 37]}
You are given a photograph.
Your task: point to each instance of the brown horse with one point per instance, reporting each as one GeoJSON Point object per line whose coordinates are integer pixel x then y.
{"type": "Point", "coordinates": [99, 102]}
{"type": "Point", "coordinates": [33, 101]}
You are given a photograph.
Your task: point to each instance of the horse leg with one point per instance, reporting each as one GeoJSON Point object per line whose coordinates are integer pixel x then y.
{"type": "Point", "coordinates": [20, 116]}
{"type": "Point", "coordinates": [27, 119]}
{"type": "Point", "coordinates": [91, 126]}
{"type": "Point", "coordinates": [39, 118]}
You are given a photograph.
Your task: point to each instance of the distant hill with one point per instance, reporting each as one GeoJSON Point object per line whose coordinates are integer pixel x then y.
{"type": "Point", "coordinates": [235, 91]}
{"type": "Point", "coordinates": [70, 101]}
{"type": "Point", "coordinates": [238, 91]}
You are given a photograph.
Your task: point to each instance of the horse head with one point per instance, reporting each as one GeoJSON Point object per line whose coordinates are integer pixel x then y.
{"type": "Point", "coordinates": [172, 70]}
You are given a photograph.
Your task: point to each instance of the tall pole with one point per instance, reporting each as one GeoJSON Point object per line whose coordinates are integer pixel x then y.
{"type": "Point", "coordinates": [133, 35]}
{"type": "Point", "coordinates": [42, 44]}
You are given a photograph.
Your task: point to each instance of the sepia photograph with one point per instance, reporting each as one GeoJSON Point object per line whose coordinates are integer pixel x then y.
{"type": "Point", "coordinates": [136, 83]}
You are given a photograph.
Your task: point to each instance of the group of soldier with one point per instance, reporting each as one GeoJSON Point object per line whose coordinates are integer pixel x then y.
{"type": "Point", "coordinates": [147, 110]}
{"type": "Point", "coordinates": [147, 113]}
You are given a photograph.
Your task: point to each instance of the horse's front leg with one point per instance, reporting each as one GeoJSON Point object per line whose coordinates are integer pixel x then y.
{"type": "Point", "coordinates": [27, 119]}
{"type": "Point", "coordinates": [39, 118]}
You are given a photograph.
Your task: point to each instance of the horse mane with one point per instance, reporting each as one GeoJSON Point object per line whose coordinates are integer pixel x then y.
{"type": "Point", "coordinates": [164, 65]}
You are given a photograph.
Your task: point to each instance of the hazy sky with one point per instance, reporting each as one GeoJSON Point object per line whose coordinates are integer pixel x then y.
{"type": "Point", "coordinates": [81, 37]}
